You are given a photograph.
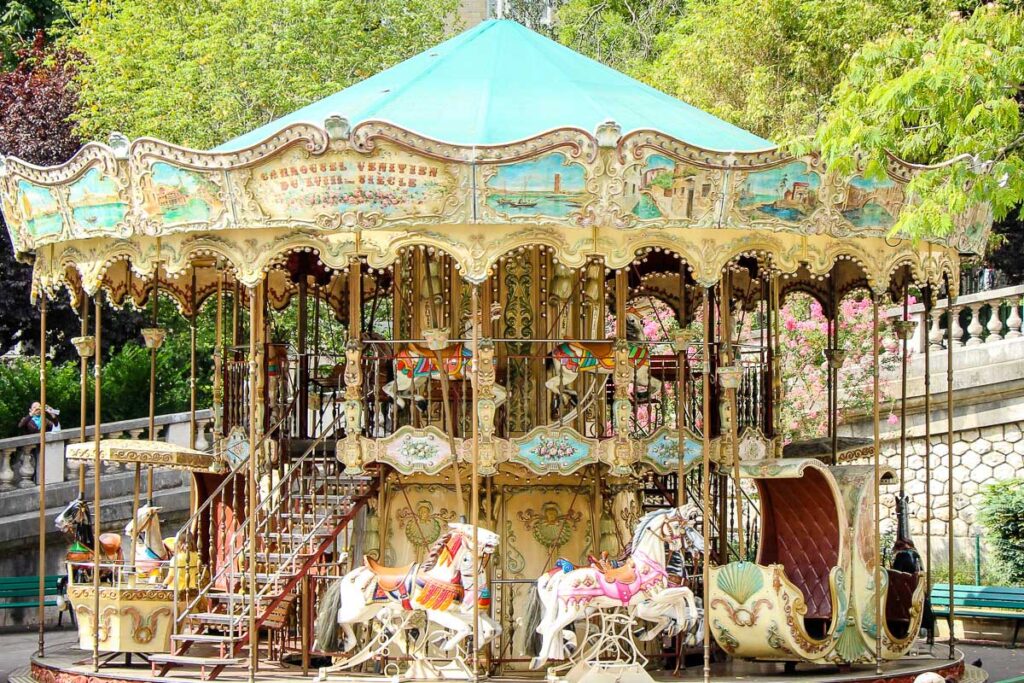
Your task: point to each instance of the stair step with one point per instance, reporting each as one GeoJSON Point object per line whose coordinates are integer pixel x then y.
{"type": "Point", "coordinates": [277, 558]}
{"type": "Point", "coordinates": [219, 618]}
{"type": "Point", "coordinates": [299, 535]}
{"type": "Point", "coordinates": [206, 638]}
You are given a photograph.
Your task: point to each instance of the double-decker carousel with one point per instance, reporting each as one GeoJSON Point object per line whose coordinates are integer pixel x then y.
{"type": "Point", "coordinates": [496, 386]}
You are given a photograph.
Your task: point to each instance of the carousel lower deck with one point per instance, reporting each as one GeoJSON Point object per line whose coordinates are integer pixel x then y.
{"type": "Point", "coordinates": [66, 663]}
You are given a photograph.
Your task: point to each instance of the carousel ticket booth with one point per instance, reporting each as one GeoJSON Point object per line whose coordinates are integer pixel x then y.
{"type": "Point", "coordinates": [526, 421]}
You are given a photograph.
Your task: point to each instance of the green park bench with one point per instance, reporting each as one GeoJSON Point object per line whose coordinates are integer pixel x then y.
{"type": "Point", "coordinates": [23, 591]}
{"type": "Point", "coordinates": [989, 602]}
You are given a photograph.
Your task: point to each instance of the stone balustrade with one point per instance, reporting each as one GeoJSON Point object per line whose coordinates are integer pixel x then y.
{"type": "Point", "coordinates": [982, 318]}
{"type": "Point", "coordinates": [19, 454]}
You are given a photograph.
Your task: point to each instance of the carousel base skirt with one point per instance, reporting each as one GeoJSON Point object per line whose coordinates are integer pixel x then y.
{"type": "Point", "coordinates": [65, 663]}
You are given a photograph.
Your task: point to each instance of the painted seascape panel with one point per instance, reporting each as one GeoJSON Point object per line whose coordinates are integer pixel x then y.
{"type": "Point", "coordinates": [96, 204]}
{"type": "Point", "coordinates": [666, 188]}
{"type": "Point", "coordinates": [180, 196]}
{"type": "Point", "coordinates": [872, 203]}
{"type": "Point", "coordinates": [392, 183]}
{"type": "Point", "coordinates": [549, 185]}
{"type": "Point", "coordinates": [40, 209]}
{"type": "Point", "coordinates": [787, 193]}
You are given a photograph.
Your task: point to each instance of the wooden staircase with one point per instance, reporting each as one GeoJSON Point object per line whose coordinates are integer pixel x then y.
{"type": "Point", "coordinates": [298, 521]}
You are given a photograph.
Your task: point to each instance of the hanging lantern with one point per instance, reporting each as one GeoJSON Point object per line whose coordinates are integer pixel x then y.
{"type": "Point", "coordinates": [154, 337]}
{"type": "Point", "coordinates": [86, 346]}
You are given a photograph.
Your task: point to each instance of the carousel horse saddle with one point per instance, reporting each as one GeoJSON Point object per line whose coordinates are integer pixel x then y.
{"type": "Point", "coordinates": [388, 578]}
{"type": "Point", "coordinates": [623, 573]}
{"type": "Point", "coordinates": [110, 545]}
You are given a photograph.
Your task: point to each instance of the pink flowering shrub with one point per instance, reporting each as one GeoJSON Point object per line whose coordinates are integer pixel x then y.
{"type": "Point", "coordinates": [803, 339]}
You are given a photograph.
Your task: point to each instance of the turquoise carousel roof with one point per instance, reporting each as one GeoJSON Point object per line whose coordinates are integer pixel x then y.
{"type": "Point", "coordinates": [500, 82]}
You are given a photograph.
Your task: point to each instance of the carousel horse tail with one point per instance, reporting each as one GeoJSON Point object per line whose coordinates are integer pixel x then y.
{"type": "Point", "coordinates": [534, 614]}
{"type": "Point", "coordinates": [326, 627]}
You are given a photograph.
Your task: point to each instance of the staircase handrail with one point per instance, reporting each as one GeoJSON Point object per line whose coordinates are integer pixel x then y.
{"type": "Point", "coordinates": [195, 519]}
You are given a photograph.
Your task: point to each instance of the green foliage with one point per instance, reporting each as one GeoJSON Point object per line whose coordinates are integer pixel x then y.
{"type": "Point", "coordinates": [770, 65]}
{"type": "Point", "coordinates": [624, 34]}
{"type": "Point", "coordinates": [1002, 514]}
{"type": "Point", "coordinates": [198, 72]}
{"type": "Point", "coordinates": [949, 97]}
{"type": "Point", "coordinates": [19, 21]}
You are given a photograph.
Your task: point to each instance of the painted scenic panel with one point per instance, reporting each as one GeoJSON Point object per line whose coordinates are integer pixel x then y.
{"type": "Point", "coordinates": [95, 202]}
{"type": "Point", "coordinates": [549, 185]}
{"type": "Point", "coordinates": [181, 196]}
{"type": "Point", "coordinates": [666, 188]}
{"type": "Point", "coordinates": [787, 193]}
{"type": "Point", "coordinates": [41, 210]}
{"type": "Point", "coordinates": [393, 183]}
{"type": "Point", "coordinates": [872, 203]}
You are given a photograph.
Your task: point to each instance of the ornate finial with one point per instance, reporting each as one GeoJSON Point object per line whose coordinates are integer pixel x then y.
{"type": "Point", "coordinates": [608, 134]}
{"type": "Point", "coordinates": [730, 376]}
{"type": "Point", "coordinates": [86, 346]}
{"type": "Point", "coordinates": [337, 127]}
{"type": "Point", "coordinates": [119, 143]}
{"type": "Point", "coordinates": [154, 337]}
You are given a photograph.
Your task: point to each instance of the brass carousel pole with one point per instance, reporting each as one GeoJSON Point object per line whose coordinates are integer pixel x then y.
{"type": "Point", "coordinates": [730, 379]}
{"type": "Point", "coordinates": [949, 453]}
{"type": "Point", "coordinates": [928, 456]}
{"type": "Point", "coordinates": [152, 372]}
{"type": "Point", "coordinates": [41, 472]}
{"type": "Point", "coordinates": [682, 351]}
{"type": "Point", "coordinates": [255, 305]}
{"type": "Point", "coordinates": [192, 363]}
{"type": "Point", "coordinates": [474, 495]}
{"type": "Point", "coordinates": [83, 390]}
{"type": "Point", "coordinates": [706, 471]}
{"type": "Point", "coordinates": [218, 364]}
{"type": "Point", "coordinates": [877, 471]}
{"type": "Point", "coordinates": [97, 515]}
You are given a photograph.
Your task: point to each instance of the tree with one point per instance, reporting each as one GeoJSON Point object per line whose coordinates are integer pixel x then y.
{"type": "Point", "coordinates": [36, 102]}
{"type": "Point", "coordinates": [951, 98]}
{"type": "Point", "coordinates": [770, 65]}
{"type": "Point", "coordinates": [198, 72]}
{"type": "Point", "coordinates": [19, 22]}
{"type": "Point", "coordinates": [625, 34]}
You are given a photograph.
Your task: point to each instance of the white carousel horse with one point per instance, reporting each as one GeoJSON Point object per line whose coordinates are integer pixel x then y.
{"type": "Point", "coordinates": [569, 359]}
{"type": "Point", "coordinates": [640, 584]}
{"type": "Point", "coordinates": [444, 587]}
{"type": "Point", "coordinates": [150, 551]}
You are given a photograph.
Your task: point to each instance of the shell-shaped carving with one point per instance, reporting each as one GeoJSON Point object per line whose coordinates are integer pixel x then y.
{"type": "Point", "coordinates": [740, 580]}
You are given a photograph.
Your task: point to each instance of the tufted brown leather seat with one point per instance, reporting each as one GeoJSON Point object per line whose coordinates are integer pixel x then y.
{"type": "Point", "coordinates": [801, 532]}
{"type": "Point", "coordinates": [898, 601]}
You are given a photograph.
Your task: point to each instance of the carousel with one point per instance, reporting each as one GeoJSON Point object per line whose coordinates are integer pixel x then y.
{"type": "Point", "coordinates": [496, 388]}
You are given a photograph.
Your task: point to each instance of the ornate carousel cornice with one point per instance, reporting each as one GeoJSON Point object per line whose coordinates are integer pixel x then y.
{"type": "Point", "coordinates": [612, 195]}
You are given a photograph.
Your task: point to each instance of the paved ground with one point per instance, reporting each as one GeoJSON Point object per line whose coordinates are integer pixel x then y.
{"type": "Point", "coordinates": [1001, 663]}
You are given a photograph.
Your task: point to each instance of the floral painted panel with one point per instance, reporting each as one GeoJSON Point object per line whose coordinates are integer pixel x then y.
{"type": "Point", "coordinates": [40, 209]}
{"type": "Point", "coordinates": [662, 451]}
{"type": "Point", "coordinates": [872, 203]}
{"type": "Point", "coordinates": [549, 185]}
{"type": "Point", "coordinates": [546, 450]}
{"type": "Point", "coordinates": [412, 450]}
{"type": "Point", "coordinates": [786, 193]}
{"type": "Point", "coordinates": [96, 204]}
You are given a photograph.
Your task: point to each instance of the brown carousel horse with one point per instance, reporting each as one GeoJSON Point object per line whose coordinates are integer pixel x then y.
{"type": "Point", "coordinates": [76, 522]}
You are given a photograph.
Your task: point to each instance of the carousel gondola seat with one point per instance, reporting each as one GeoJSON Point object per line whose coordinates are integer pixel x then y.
{"type": "Point", "coordinates": [899, 601]}
{"type": "Point", "coordinates": [801, 533]}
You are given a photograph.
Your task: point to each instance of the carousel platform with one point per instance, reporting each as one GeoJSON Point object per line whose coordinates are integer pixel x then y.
{"type": "Point", "coordinates": [65, 663]}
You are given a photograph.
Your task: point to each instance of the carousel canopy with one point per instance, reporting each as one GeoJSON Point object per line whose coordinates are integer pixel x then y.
{"type": "Point", "coordinates": [496, 140]}
{"type": "Point", "coordinates": [501, 82]}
